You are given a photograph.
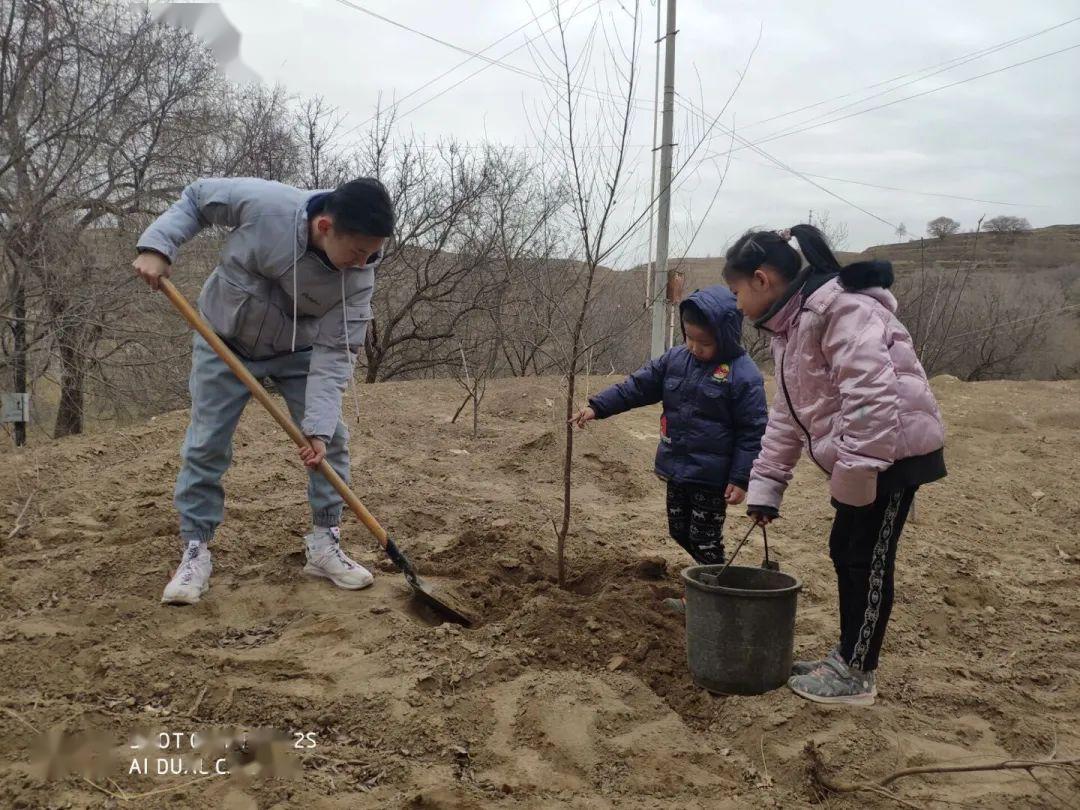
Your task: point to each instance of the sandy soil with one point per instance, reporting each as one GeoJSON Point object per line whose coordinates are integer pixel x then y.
{"type": "Point", "coordinates": [559, 698]}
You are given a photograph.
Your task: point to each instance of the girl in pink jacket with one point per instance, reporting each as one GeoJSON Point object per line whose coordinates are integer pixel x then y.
{"type": "Point", "coordinates": [850, 391]}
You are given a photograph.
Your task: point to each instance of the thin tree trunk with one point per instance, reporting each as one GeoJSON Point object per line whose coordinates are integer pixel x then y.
{"type": "Point", "coordinates": [374, 355]}
{"type": "Point", "coordinates": [19, 361]}
{"type": "Point", "coordinates": [571, 381]}
{"type": "Point", "coordinates": [69, 414]}
{"type": "Point", "coordinates": [568, 461]}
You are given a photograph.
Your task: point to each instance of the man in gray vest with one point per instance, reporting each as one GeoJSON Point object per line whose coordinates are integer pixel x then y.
{"type": "Point", "coordinates": [291, 295]}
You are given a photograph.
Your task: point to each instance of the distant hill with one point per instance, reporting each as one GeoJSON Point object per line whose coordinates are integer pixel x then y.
{"type": "Point", "coordinates": [1039, 249]}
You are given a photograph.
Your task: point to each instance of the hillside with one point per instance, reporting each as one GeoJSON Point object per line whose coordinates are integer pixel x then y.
{"type": "Point", "coordinates": [575, 699]}
{"type": "Point", "coordinates": [1040, 249]}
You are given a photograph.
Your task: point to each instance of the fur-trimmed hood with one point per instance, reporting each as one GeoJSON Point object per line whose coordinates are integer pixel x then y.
{"type": "Point", "coordinates": [863, 275]}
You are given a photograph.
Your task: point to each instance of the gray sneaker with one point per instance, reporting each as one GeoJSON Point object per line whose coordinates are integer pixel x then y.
{"type": "Point", "coordinates": [835, 682]}
{"type": "Point", "coordinates": [806, 667]}
{"type": "Point", "coordinates": [326, 559]}
{"type": "Point", "coordinates": [192, 577]}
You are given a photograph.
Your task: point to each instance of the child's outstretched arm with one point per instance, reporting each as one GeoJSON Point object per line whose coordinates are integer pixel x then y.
{"type": "Point", "coordinates": [781, 447]}
{"type": "Point", "coordinates": [855, 346]}
{"type": "Point", "coordinates": [644, 387]}
{"type": "Point", "coordinates": [750, 415]}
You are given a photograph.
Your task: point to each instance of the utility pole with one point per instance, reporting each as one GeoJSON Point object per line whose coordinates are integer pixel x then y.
{"type": "Point", "coordinates": [651, 266]}
{"type": "Point", "coordinates": [663, 221]}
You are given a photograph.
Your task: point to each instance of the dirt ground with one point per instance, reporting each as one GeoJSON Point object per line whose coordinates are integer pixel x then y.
{"type": "Point", "coordinates": [575, 698]}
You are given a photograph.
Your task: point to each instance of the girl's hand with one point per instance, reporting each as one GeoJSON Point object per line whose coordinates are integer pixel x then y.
{"type": "Point", "coordinates": [761, 519]}
{"type": "Point", "coordinates": [734, 494]}
{"type": "Point", "coordinates": [314, 455]}
{"type": "Point", "coordinates": [583, 417]}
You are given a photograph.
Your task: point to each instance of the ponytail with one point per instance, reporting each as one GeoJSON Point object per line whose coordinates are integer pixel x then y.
{"type": "Point", "coordinates": [815, 248]}
{"type": "Point", "coordinates": [755, 248]}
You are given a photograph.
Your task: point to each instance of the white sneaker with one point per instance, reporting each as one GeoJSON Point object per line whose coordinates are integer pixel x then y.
{"type": "Point", "coordinates": [192, 578]}
{"type": "Point", "coordinates": [326, 559]}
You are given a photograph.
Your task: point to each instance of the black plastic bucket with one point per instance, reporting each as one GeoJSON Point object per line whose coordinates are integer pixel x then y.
{"type": "Point", "coordinates": [740, 628]}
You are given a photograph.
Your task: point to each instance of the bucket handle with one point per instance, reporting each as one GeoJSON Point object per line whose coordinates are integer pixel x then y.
{"type": "Point", "coordinates": [767, 564]}
{"type": "Point", "coordinates": [771, 565]}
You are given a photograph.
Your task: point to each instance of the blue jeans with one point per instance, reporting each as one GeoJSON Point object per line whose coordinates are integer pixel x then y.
{"type": "Point", "coordinates": [217, 400]}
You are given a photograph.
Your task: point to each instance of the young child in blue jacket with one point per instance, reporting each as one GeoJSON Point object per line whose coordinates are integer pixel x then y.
{"type": "Point", "coordinates": [711, 426]}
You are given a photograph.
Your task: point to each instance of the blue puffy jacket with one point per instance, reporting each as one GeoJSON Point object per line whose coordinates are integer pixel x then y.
{"type": "Point", "coordinates": [714, 413]}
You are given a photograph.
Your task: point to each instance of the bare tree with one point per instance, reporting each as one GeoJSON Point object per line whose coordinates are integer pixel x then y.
{"type": "Point", "coordinates": [942, 227]}
{"type": "Point", "coordinates": [1008, 224]}
{"type": "Point", "coordinates": [100, 109]}
{"type": "Point", "coordinates": [972, 322]}
{"type": "Point", "coordinates": [584, 134]}
{"type": "Point", "coordinates": [438, 263]}
{"type": "Point", "coordinates": [526, 203]}
{"type": "Point", "coordinates": [1000, 330]}
{"type": "Point", "coordinates": [930, 305]}
{"type": "Point", "coordinates": [474, 376]}
{"type": "Point", "coordinates": [596, 185]}
{"type": "Point", "coordinates": [257, 134]}
{"type": "Point", "coordinates": [835, 232]}
{"type": "Point", "coordinates": [318, 128]}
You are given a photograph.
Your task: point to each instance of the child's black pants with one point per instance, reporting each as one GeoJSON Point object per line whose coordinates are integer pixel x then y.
{"type": "Point", "coordinates": [696, 521]}
{"type": "Point", "coordinates": [863, 550]}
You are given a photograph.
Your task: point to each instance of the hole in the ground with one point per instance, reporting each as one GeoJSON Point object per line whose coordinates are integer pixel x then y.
{"type": "Point", "coordinates": [423, 613]}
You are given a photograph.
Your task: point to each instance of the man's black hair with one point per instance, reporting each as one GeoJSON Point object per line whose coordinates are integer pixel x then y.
{"type": "Point", "coordinates": [362, 207]}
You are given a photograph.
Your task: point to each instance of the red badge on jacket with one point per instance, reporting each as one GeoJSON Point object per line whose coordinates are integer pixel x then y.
{"type": "Point", "coordinates": [720, 374]}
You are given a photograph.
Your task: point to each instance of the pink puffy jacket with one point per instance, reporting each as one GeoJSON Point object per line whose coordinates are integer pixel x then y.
{"type": "Point", "coordinates": [850, 389]}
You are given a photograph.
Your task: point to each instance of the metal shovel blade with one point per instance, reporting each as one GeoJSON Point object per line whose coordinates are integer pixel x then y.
{"type": "Point", "coordinates": [442, 601]}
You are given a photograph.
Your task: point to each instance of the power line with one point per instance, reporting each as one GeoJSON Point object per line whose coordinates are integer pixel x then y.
{"type": "Point", "coordinates": [748, 145]}
{"type": "Point", "coordinates": [530, 74]}
{"type": "Point", "coordinates": [901, 190]}
{"type": "Point", "coordinates": [916, 80]}
{"type": "Point", "coordinates": [756, 146]}
{"type": "Point", "coordinates": [701, 114]}
{"type": "Point", "coordinates": [600, 94]}
{"type": "Point", "coordinates": [937, 68]}
{"type": "Point", "coordinates": [640, 147]}
{"type": "Point", "coordinates": [444, 74]}
{"type": "Point", "coordinates": [524, 44]}
{"type": "Point", "coordinates": [432, 38]}
{"type": "Point", "coordinates": [950, 63]}
{"type": "Point", "coordinates": [918, 95]}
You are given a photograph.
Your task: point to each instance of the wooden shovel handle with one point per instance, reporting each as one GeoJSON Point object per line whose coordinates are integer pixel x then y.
{"type": "Point", "coordinates": [280, 416]}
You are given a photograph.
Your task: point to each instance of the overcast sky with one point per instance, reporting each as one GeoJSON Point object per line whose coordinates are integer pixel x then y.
{"type": "Point", "coordinates": [1013, 137]}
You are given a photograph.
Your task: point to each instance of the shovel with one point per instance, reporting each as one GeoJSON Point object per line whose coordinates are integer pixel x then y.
{"type": "Point", "coordinates": [443, 603]}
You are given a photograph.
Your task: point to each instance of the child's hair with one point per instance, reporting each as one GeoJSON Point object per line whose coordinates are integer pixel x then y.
{"type": "Point", "coordinates": [755, 248]}
{"type": "Point", "coordinates": [362, 207]}
{"type": "Point", "coordinates": [691, 314]}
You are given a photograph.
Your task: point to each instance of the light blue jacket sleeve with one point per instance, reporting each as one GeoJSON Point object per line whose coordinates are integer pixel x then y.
{"type": "Point", "coordinates": [204, 203]}
{"type": "Point", "coordinates": [333, 357]}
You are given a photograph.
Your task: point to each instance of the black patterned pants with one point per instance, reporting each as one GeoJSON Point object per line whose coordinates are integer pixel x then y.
{"type": "Point", "coordinates": [696, 521]}
{"type": "Point", "coordinates": [863, 549]}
